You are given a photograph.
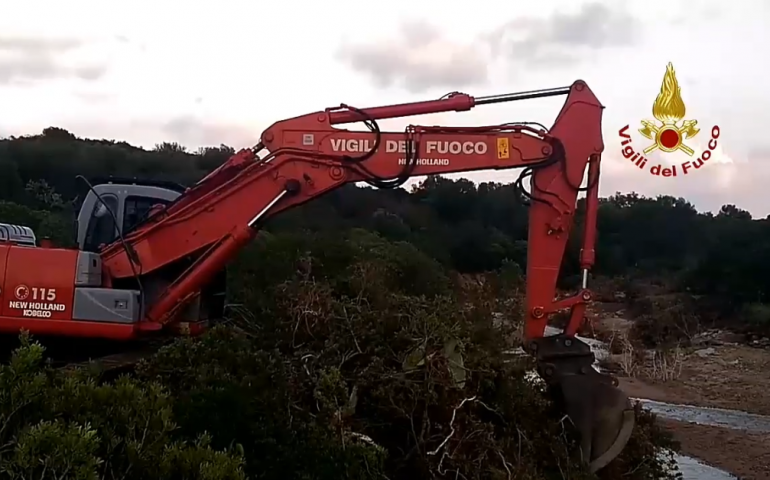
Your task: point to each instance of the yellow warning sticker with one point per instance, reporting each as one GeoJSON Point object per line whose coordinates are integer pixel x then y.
{"type": "Point", "coordinates": [503, 151]}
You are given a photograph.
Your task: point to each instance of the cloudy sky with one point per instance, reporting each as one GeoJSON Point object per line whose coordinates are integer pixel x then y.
{"type": "Point", "coordinates": [211, 72]}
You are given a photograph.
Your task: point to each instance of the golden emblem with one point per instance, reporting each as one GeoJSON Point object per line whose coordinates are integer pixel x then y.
{"type": "Point", "coordinates": [669, 109]}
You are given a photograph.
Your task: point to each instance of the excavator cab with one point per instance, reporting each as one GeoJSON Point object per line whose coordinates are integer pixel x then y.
{"type": "Point", "coordinates": [112, 209]}
{"type": "Point", "coordinates": [123, 201]}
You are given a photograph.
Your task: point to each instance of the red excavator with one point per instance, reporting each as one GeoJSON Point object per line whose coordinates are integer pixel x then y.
{"type": "Point", "coordinates": [152, 256]}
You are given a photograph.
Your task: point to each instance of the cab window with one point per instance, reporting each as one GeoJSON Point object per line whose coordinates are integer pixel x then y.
{"type": "Point", "coordinates": [137, 209]}
{"type": "Point", "coordinates": [101, 227]}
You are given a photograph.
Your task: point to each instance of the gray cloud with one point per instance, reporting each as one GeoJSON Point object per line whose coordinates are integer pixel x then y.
{"type": "Point", "coordinates": [564, 37]}
{"type": "Point", "coordinates": [421, 58]}
{"type": "Point", "coordinates": [25, 59]}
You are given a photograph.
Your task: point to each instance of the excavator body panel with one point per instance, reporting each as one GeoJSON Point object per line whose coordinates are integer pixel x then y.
{"type": "Point", "coordinates": [41, 292]}
{"type": "Point", "coordinates": [62, 292]}
{"type": "Point", "coordinates": [39, 282]}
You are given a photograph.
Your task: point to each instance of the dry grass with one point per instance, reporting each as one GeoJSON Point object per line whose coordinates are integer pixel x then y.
{"type": "Point", "coordinates": [624, 354]}
{"type": "Point", "coordinates": [660, 365]}
{"type": "Point", "coordinates": [665, 365]}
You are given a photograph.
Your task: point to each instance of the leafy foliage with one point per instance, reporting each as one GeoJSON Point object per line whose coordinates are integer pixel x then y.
{"type": "Point", "coordinates": [57, 425]}
{"type": "Point", "coordinates": [344, 362]}
{"type": "Point", "coordinates": [355, 349]}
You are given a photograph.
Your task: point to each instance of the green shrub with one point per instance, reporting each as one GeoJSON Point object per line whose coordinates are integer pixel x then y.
{"type": "Point", "coordinates": [239, 394]}
{"type": "Point", "coordinates": [353, 357]}
{"type": "Point", "coordinates": [756, 316]}
{"type": "Point", "coordinates": [665, 320]}
{"type": "Point", "coordinates": [346, 356]}
{"type": "Point", "coordinates": [63, 425]}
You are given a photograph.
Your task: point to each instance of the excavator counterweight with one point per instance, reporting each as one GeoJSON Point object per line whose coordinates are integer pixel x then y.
{"type": "Point", "coordinates": [152, 256]}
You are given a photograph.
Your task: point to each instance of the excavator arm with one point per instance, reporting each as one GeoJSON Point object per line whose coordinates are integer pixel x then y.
{"type": "Point", "coordinates": [302, 158]}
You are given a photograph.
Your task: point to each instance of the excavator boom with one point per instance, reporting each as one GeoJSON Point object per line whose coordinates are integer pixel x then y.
{"type": "Point", "coordinates": [171, 257]}
{"type": "Point", "coordinates": [305, 157]}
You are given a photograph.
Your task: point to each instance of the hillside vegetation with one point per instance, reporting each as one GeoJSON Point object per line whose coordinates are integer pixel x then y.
{"type": "Point", "coordinates": [359, 348]}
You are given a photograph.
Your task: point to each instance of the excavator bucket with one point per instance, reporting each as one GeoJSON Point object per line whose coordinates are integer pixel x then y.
{"type": "Point", "coordinates": [601, 412]}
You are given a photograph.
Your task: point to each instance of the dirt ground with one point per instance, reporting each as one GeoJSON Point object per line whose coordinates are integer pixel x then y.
{"type": "Point", "coordinates": [736, 377]}
{"type": "Point", "coordinates": [719, 373]}
{"type": "Point", "coordinates": [745, 455]}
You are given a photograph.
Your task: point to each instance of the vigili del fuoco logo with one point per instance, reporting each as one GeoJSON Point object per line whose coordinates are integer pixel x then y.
{"type": "Point", "coordinates": [669, 134]}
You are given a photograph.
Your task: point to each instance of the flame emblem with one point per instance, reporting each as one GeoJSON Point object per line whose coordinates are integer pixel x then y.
{"type": "Point", "coordinates": [669, 110]}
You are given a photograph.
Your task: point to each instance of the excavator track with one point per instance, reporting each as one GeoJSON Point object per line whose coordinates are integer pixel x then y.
{"type": "Point", "coordinates": [110, 359]}
{"type": "Point", "coordinates": [113, 365]}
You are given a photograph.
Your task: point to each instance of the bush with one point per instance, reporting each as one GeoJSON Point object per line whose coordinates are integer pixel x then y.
{"type": "Point", "coordinates": [351, 354]}
{"type": "Point", "coordinates": [665, 320]}
{"type": "Point", "coordinates": [355, 357]}
{"type": "Point", "coordinates": [46, 224]}
{"type": "Point", "coordinates": [226, 386]}
{"type": "Point", "coordinates": [59, 425]}
{"type": "Point", "coordinates": [756, 316]}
